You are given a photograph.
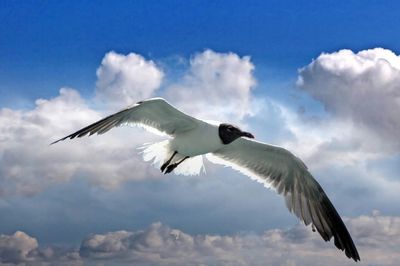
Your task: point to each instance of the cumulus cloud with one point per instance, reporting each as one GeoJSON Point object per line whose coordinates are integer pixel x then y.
{"type": "Point", "coordinates": [17, 247]}
{"type": "Point", "coordinates": [123, 80]}
{"type": "Point", "coordinates": [22, 249]}
{"type": "Point", "coordinates": [323, 143]}
{"type": "Point", "coordinates": [216, 86]}
{"type": "Point", "coordinates": [376, 236]}
{"type": "Point", "coordinates": [28, 164]}
{"type": "Point", "coordinates": [363, 88]}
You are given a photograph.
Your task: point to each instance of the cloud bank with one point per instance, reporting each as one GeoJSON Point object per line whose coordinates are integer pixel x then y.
{"type": "Point", "coordinates": [335, 148]}
{"type": "Point", "coordinates": [376, 236]}
{"type": "Point", "coordinates": [342, 145]}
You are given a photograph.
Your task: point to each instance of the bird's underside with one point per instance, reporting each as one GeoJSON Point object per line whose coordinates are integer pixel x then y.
{"type": "Point", "coordinates": [226, 144]}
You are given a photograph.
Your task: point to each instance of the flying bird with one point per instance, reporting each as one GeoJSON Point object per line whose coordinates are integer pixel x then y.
{"type": "Point", "coordinates": [226, 144]}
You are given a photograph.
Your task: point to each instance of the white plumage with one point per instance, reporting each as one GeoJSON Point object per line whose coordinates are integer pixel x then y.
{"type": "Point", "coordinates": [224, 144]}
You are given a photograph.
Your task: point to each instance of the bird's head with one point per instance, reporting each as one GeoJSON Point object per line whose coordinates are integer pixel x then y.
{"type": "Point", "coordinates": [228, 133]}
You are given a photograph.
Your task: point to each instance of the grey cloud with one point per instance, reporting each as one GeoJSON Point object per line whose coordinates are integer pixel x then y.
{"type": "Point", "coordinates": [107, 245]}
{"type": "Point", "coordinates": [361, 93]}
{"type": "Point", "coordinates": [16, 248]}
{"type": "Point", "coordinates": [377, 238]}
{"type": "Point", "coordinates": [363, 87]}
{"type": "Point", "coordinates": [22, 249]}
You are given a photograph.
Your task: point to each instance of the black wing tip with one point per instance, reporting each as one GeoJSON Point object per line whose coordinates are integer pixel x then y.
{"type": "Point", "coordinates": [339, 232]}
{"type": "Point", "coordinates": [62, 139]}
{"type": "Point", "coordinates": [353, 254]}
{"type": "Point", "coordinates": [342, 238]}
{"type": "Point", "coordinates": [72, 136]}
{"type": "Point", "coordinates": [350, 249]}
{"type": "Point", "coordinates": [54, 142]}
{"type": "Point", "coordinates": [356, 258]}
{"type": "Point", "coordinates": [345, 243]}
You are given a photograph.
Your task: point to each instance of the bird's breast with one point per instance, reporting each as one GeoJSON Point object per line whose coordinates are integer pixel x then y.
{"type": "Point", "coordinates": [201, 140]}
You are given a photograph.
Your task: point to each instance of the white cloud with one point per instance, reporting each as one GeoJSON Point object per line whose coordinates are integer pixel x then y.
{"type": "Point", "coordinates": [360, 92]}
{"type": "Point", "coordinates": [123, 80]}
{"type": "Point", "coordinates": [376, 236]}
{"type": "Point", "coordinates": [326, 142]}
{"type": "Point", "coordinates": [340, 155]}
{"type": "Point", "coordinates": [222, 86]}
{"type": "Point", "coordinates": [28, 164]}
{"type": "Point", "coordinates": [362, 88]}
{"type": "Point", "coordinates": [217, 86]}
{"type": "Point", "coordinates": [213, 82]}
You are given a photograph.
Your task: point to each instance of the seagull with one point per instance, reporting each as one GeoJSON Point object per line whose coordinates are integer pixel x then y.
{"type": "Point", "coordinates": [227, 144]}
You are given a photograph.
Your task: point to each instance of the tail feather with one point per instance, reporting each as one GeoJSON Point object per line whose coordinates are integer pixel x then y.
{"type": "Point", "coordinates": [156, 153]}
{"type": "Point", "coordinates": [159, 152]}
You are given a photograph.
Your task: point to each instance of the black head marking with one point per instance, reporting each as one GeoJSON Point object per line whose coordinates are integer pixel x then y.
{"type": "Point", "coordinates": [228, 133]}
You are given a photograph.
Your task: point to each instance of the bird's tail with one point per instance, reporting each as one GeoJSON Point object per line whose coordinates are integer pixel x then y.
{"type": "Point", "coordinates": [160, 152]}
{"type": "Point", "coordinates": [156, 153]}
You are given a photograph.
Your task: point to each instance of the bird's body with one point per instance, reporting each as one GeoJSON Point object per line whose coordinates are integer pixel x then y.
{"type": "Point", "coordinates": [228, 145]}
{"type": "Point", "coordinates": [201, 140]}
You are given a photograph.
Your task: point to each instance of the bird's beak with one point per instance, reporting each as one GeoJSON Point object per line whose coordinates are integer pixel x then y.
{"type": "Point", "coordinates": [247, 135]}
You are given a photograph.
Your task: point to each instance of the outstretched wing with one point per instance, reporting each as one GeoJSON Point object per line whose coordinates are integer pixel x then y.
{"type": "Point", "coordinates": [155, 113]}
{"type": "Point", "coordinates": [285, 172]}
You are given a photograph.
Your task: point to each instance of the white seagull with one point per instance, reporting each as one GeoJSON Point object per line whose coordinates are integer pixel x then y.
{"type": "Point", "coordinates": [227, 144]}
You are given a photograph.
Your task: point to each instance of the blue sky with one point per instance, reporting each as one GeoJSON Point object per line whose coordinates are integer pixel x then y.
{"type": "Point", "coordinates": [62, 42]}
{"type": "Point", "coordinates": [338, 113]}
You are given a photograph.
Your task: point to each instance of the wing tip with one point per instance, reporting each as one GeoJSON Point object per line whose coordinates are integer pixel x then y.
{"type": "Point", "coordinates": [59, 140]}
{"type": "Point", "coordinates": [351, 252]}
{"type": "Point", "coordinates": [72, 136]}
{"type": "Point", "coordinates": [342, 237]}
{"type": "Point", "coordinates": [54, 142]}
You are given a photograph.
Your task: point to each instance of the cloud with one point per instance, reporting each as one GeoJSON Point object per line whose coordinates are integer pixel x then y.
{"type": "Point", "coordinates": [216, 86]}
{"type": "Point", "coordinates": [377, 238]}
{"type": "Point", "coordinates": [17, 247]}
{"type": "Point", "coordinates": [28, 164]}
{"type": "Point", "coordinates": [214, 83]}
{"type": "Point", "coordinates": [22, 249]}
{"type": "Point", "coordinates": [362, 88]}
{"type": "Point", "coordinates": [360, 93]}
{"type": "Point", "coordinates": [322, 142]}
{"type": "Point", "coordinates": [123, 80]}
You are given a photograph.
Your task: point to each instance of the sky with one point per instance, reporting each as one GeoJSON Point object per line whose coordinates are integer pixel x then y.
{"type": "Point", "coordinates": [319, 78]}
